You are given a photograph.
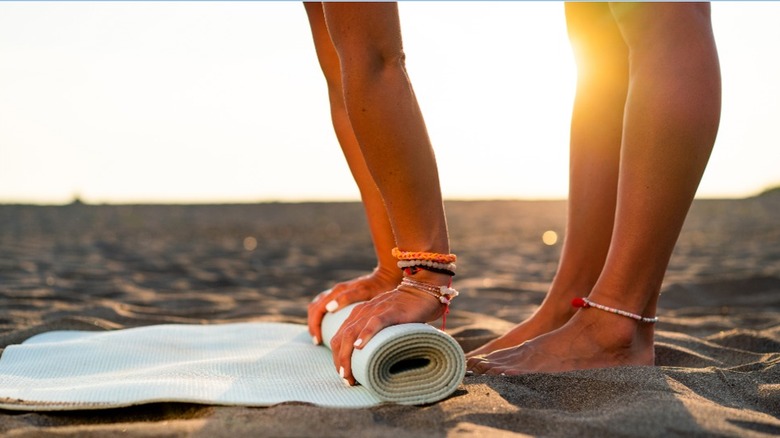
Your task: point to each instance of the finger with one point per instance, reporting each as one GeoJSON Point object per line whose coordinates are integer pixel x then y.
{"type": "Point", "coordinates": [345, 339]}
{"type": "Point", "coordinates": [343, 355]}
{"type": "Point", "coordinates": [335, 344]}
{"type": "Point", "coordinates": [315, 312]}
{"type": "Point", "coordinates": [328, 301]}
{"type": "Point", "coordinates": [372, 327]}
{"type": "Point", "coordinates": [353, 316]}
{"type": "Point", "coordinates": [345, 361]}
{"type": "Point", "coordinates": [314, 321]}
{"type": "Point", "coordinates": [352, 341]}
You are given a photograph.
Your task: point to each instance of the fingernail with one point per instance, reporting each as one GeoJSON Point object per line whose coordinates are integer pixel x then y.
{"type": "Point", "coordinates": [331, 306]}
{"type": "Point", "coordinates": [469, 373]}
{"type": "Point", "coordinates": [358, 342]}
{"type": "Point", "coordinates": [341, 373]}
{"type": "Point", "coordinates": [315, 341]}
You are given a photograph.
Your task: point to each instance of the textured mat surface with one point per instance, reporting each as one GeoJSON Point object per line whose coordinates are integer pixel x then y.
{"type": "Point", "coordinates": [251, 364]}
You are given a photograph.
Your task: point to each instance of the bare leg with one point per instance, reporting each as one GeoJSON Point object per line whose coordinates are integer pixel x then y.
{"type": "Point", "coordinates": [386, 276]}
{"type": "Point", "coordinates": [596, 127]}
{"type": "Point", "coordinates": [670, 123]}
{"type": "Point", "coordinates": [391, 133]}
{"type": "Point", "coordinates": [387, 121]}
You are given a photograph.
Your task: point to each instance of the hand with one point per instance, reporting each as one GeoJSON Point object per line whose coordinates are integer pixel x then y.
{"type": "Point", "coordinates": [399, 306]}
{"type": "Point", "coordinates": [343, 294]}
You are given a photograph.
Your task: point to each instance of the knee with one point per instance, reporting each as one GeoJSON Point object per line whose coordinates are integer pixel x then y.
{"type": "Point", "coordinates": [663, 26]}
{"type": "Point", "coordinates": [370, 61]}
{"type": "Point", "coordinates": [670, 41]}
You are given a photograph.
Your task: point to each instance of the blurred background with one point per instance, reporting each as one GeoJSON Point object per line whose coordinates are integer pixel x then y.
{"type": "Point", "coordinates": [222, 102]}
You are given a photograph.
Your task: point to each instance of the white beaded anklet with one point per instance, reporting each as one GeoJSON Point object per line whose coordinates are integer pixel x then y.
{"type": "Point", "coordinates": [585, 303]}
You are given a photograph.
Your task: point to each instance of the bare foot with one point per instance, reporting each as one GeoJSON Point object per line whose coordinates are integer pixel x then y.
{"type": "Point", "coordinates": [544, 320]}
{"type": "Point", "coordinates": [591, 339]}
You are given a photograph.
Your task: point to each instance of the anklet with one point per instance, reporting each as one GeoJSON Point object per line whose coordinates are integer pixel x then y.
{"type": "Point", "coordinates": [444, 294]}
{"type": "Point", "coordinates": [411, 267]}
{"type": "Point", "coordinates": [585, 303]}
{"type": "Point", "coordinates": [422, 255]}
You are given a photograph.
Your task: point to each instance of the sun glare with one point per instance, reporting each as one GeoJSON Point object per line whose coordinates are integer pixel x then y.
{"type": "Point", "coordinates": [224, 101]}
{"type": "Point", "coordinates": [498, 105]}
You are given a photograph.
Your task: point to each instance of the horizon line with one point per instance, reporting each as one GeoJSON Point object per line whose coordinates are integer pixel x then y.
{"type": "Point", "coordinates": [163, 202]}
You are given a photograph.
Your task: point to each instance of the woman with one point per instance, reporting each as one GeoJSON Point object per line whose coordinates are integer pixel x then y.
{"type": "Point", "coordinates": [644, 123]}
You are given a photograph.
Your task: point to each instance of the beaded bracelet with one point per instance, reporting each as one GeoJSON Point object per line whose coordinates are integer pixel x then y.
{"type": "Point", "coordinates": [444, 294]}
{"type": "Point", "coordinates": [409, 263]}
{"type": "Point", "coordinates": [422, 255]}
{"type": "Point", "coordinates": [585, 303]}
{"type": "Point", "coordinates": [411, 267]}
{"type": "Point", "coordinates": [415, 269]}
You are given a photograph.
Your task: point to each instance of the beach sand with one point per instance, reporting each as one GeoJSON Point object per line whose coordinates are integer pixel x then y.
{"type": "Point", "coordinates": [107, 267]}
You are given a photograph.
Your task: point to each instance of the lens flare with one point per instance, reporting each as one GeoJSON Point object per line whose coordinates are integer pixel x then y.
{"type": "Point", "coordinates": [250, 243]}
{"type": "Point", "coordinates": [550, 237]}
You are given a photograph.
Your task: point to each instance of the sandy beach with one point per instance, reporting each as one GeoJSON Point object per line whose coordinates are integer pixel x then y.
{"type": "Point", "coordinates": [106, 267]}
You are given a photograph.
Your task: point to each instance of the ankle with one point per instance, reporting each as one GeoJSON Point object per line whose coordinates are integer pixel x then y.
{"type": "Point", "coordinates": [614, 330]}
{"type": "Point", "coordinates": [610, 330]}
{"type": "Point", "coordinates": [585, 302]}
{"type": "Point", "coordinates": [635, 301]}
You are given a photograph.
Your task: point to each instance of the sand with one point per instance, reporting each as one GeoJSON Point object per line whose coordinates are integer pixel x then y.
{"type": "Point", "coordinates": [106, 267]}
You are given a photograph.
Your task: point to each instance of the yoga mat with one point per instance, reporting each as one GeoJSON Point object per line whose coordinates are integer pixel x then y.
{"type": "Point", "coordinates": [247, 364]}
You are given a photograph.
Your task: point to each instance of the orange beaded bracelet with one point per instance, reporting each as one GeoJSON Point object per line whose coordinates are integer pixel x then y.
{"type": "Point", "coordinates": [422, 255]}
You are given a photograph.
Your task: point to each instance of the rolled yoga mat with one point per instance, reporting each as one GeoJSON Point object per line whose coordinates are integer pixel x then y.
{"type": "Point", "coordinates": [246, 364]}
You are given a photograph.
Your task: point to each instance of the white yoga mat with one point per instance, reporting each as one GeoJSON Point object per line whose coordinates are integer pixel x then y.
{"type": "Point", "coordinates": [247, 364]}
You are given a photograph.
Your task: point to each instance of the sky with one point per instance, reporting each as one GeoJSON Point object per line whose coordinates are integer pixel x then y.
{"type": "Point", "coordinates": [178, 102]}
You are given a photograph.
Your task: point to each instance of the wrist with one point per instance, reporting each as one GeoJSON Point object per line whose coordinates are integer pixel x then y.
{"type": "Point", "coordinates": [444, 294]}
{"type": "Point", "coordinates": [431, 277]}
{"type": "Point", "coordinates": [388, 273]}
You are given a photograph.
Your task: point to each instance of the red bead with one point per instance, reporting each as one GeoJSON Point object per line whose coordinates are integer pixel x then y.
{"type": "Point", "coordinates": [579, 302]}
{"type": "Point", "coordinates": [411, 270]}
